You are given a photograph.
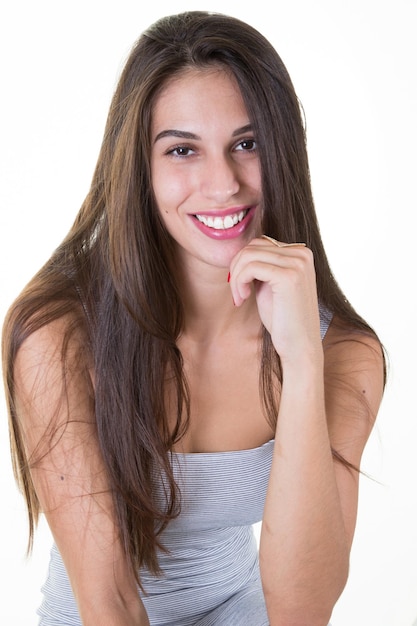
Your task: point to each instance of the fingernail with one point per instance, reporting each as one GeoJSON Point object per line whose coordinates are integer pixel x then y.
{"type": "Point", "coordinates": [228, 277]}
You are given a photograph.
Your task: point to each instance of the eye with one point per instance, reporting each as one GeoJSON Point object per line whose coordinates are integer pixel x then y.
{"type": "Point", "coordinates": [247, 145]}
{"type": "Point", "coordinates": [180, 151]}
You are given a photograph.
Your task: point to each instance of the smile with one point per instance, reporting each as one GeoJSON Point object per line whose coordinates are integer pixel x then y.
{"type": "Point", "coordinates": [222, 223]}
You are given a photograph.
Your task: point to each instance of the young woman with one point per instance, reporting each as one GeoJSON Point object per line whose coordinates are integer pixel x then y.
{"type": "Point", "coordinates": [185, 364]}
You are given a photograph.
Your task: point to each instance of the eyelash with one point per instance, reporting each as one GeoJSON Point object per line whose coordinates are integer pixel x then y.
{"type": "Point", "coordinates": [172, 151]}
{"type": "Point", "coordinates": [249, 140]}
{"type": "Point", "coordinates": [175, 149]}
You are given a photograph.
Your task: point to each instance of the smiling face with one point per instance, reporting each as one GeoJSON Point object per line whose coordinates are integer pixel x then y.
{"type": "Point", "coordinates": [205, 166]}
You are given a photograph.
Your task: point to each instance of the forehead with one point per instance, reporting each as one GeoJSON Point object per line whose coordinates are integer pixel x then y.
{"type": "Point", "coordinates": [198, 94]}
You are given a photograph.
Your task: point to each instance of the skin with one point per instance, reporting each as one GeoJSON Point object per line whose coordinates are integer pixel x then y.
{"type": "Point", "coordinates": [204, 161]}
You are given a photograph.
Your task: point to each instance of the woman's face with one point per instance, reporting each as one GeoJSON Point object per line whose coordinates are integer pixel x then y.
{"type": "Point", "coordinates": [205, 166]}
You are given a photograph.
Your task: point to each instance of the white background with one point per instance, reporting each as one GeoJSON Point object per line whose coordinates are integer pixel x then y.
{"type": "Point", "coordinates": [354, 66]}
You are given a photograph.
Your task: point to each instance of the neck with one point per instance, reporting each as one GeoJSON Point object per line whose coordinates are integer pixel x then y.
{"type": "Point", "coordinates": [209, 309]}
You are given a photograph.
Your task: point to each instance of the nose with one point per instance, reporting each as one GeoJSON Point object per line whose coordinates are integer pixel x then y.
{"type": "Point", "coordinates": [220, 181]}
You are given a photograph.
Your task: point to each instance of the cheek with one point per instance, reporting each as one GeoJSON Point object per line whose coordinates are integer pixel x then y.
{"type": "Point", "coordinates": [253, 176]}
{"type": "Point", "coordinates": [170, 190]}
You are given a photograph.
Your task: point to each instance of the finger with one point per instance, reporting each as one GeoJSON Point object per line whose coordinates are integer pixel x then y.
{"type": "Point", "coordinates": [260, 270]}
{"type": "Point", "coordinates": [289, 255]}
{"type": "Point", "coordinates": [266, 266]}
{"type": "Point", "coordinates": [281, 244]}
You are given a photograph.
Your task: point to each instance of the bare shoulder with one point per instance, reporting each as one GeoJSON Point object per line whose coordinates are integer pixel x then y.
{"type": "Point", "coordinates": [52, 384]}
{"type": "Point", "coordinates": [353, 351]}
{"type": "Point", "coordinates": [354, 368]}
{"type": "Point", "coordinates": [51, 338]}
{"type": "Point", "coordinates": [55, 351]}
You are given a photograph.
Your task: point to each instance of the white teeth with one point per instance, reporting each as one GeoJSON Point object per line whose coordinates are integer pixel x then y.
{"type": "Point", "coordinates": [222, 223]}
{"type": "Point", "coordinates": [228, 222]}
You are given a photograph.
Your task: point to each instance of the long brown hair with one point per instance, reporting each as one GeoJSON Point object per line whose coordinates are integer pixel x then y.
{"type": "Point", "coordinates": [114, 273]}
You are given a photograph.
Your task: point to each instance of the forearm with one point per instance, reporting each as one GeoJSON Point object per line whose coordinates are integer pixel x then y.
{"type": "Point", "coordinates": [303, 548]}
{"type": "Point", "coordinates": [115, 613]}
{"type": "Point", "coordinates": [109, 596]}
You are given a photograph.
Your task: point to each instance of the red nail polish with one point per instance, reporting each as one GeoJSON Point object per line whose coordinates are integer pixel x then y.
{"type": "Point", "coordinates": [228, 277]}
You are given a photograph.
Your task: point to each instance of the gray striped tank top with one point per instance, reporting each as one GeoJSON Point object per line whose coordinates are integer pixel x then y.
{"type": "Point", "coordinates": [211, 572]}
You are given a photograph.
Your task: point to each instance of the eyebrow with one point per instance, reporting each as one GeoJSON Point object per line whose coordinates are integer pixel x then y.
{"type": "Point", "coordinates": [184, 134]}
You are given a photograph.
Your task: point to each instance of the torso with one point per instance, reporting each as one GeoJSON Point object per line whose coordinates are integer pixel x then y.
{"type": "Point", "coordinates": [226, 407]}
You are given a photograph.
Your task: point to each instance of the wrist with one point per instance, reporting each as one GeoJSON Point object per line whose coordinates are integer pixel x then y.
{"type": "Point", "coordinates": [307, 363]}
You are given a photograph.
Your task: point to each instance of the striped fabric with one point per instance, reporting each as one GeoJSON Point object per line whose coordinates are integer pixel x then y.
{"type": "Point", "coordinates": [211, 573]}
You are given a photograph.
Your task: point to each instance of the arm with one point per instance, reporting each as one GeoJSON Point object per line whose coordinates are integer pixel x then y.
{"type": "Point", "coordinates": [311, 504]}
{"type": "Point", "coordinates": [328, 399]}
{"type": "Point", "coordinates": [70, 480]}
